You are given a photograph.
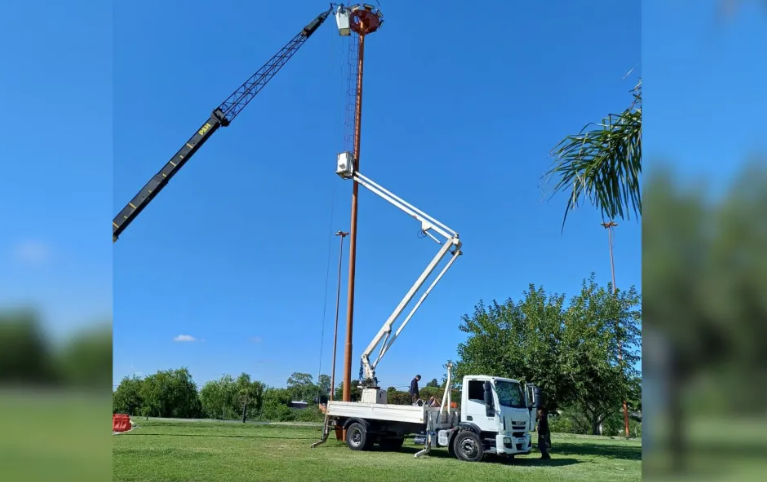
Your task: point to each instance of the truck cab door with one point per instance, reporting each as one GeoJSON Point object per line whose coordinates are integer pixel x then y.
{"type": "Point", "coordinates": [474, 409]}
{"type": "Point", "coordinates": [532, 393]}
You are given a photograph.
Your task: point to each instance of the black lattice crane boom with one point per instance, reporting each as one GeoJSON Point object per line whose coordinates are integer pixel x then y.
{"type": "Point", "coordinates": [221, 116]}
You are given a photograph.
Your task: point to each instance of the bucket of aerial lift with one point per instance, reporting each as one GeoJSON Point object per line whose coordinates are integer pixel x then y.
{"type": "Point", "coordinates": [342, 20]}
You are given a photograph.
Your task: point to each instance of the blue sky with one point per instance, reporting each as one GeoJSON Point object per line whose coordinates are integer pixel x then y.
{"type": "Point", "coordinates": [458, 120]}
{"type": "Point", "coordinates": [234, 251]}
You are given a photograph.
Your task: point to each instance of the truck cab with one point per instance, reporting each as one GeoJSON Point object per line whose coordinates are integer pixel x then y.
{"type": "Point", "coordinates": [500, 411]}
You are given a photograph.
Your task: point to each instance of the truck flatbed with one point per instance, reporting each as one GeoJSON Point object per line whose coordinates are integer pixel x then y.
{"type": "Point", "coordinates": [378, 411]}
{"type": "Point", "coordinates": [385, 412]}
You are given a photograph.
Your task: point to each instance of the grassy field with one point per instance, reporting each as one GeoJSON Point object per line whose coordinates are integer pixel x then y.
{"type": "Point", "coordinates": [184, 451]}
{"type": "Point", "coordinates": [52, 435]}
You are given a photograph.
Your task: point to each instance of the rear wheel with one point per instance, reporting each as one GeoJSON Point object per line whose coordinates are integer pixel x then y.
{"type": "Point", "coordinates": [468, 446]}
{"type": "Point", "coordinates": [357, 437]}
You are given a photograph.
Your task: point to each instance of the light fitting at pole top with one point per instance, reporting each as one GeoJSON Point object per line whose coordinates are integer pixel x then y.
{"type": "Point", "coordinates": [361, 18]}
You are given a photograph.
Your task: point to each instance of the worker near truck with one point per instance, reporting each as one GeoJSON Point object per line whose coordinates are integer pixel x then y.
{"type": "Point", "coordinates": [544, 436]}
{"type": "Point", "coordinates": [414, 388]}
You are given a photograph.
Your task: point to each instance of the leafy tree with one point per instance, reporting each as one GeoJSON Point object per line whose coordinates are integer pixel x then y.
{"type": "Point", "coordinates": [569, 351]}
{"type": "Point", "coordinates": [433, 383]}
{"type": "Point", "coordinates": [171, 393]}
{"type": "Point", "coordinates": [603, 162]}
{"type": "Point", "coordinates": [26, 355]}
{"type": "Point", "coordinates": [86, 359]}
{"type": "Point", "coordinates": [518, 340]}
{"type": "Point", "coordinates": [249, 392]}
{"type": "Point", "coordinates": [127, 398]}
{"type": "Point", "coordinates": [301, 386]}
{"type": "Point", "coordinates": [596, 323]}
{"type": "Point", "coordinates": [218, 398]}
{"type": "Point", "coordinates": [276, 405]}
{"type": "Point", "coordinates": [323, 384]}
{"type": "Point", "coordinates": [355, 391]}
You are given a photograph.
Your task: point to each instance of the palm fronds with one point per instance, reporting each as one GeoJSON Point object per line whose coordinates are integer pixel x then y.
{"type": "Point", "coordinates": [602, 163]}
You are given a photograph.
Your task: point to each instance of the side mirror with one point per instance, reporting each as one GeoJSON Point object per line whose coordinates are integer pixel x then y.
{"type": "Point", "coordinates": [489, 402]}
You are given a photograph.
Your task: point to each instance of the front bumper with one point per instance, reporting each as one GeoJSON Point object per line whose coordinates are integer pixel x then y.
{"type": "Point", "coordinates": [508, 444]}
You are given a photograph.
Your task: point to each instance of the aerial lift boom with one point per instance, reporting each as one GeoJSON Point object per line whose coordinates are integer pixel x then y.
{"type": "Point", "coordinates": [221, 116]}
{"type": "Point", "coordinates": [450, 244]}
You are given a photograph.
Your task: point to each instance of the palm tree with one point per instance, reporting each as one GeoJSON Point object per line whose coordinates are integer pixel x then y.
{"type": "Point", "coordinates": [602, 163]}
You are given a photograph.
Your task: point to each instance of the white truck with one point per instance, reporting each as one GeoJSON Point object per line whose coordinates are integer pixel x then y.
{"type": "Point", "coordinates": [497, 415]}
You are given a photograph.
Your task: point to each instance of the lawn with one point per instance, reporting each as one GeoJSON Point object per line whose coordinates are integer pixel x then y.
{"type": "Point", "coordinates": [54, 435]}
{"type": "Point", "coordinates": [188, 451]}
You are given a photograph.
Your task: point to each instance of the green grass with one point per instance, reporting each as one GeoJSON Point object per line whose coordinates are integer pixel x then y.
{"type": "Point", "coordinates": [184, 451]}
{"type": "Point", "coordinates": [50, 435]}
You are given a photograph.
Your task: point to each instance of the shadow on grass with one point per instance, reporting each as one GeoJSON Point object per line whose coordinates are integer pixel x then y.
{"type": "Point", "coordinates": [598, 450]}
{"type": "Point", "coordinates": [212, 435]}
{"type": "Point", "coordinates": [531, 460]}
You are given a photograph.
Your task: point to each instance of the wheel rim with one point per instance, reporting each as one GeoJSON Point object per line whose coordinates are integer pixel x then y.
{"type": "Point", "coordinates": [469, 448]}
{"type": "Point", "coordinates": [356, 437]}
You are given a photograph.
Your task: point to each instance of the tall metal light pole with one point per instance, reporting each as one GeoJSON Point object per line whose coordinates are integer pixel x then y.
{"type": "Point", "coordinates": [363, 21]}
{"type": "Point", "coordinates": [609, 226]}
{"type": "Point", "coordinates": [338, 300]}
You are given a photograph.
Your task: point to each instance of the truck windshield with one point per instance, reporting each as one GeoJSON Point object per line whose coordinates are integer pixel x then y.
{"type": "Point", "coordinates": [510, 394]}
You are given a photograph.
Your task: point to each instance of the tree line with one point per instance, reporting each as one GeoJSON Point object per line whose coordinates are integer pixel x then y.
{"type": "Point", "coordinates": [174, 394]}
{"type": "Point", "coordinates": [30, 358]}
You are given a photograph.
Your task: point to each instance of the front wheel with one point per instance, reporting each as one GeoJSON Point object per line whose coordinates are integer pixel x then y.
{"type": "Point", "coordinates": [468, 446]}
{"type": "Point", "coordinates": [357, 437]}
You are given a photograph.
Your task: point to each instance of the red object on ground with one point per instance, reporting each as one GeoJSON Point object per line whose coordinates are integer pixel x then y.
{"type": "Point", "coordinates": [120, 422]}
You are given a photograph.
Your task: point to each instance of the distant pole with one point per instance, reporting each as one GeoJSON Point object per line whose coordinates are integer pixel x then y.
{"type": "Point", "coordinates": [609, 226]}
{"type": "Point", "coordinates": [338, 300]}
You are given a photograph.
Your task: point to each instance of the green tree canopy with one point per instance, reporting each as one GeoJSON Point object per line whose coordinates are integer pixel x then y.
{"type": "Point", "coordinates": [569, 350]}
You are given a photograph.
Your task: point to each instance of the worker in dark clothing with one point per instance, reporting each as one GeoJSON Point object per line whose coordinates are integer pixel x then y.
{"type": "Point", "coordinates": [414, 388]}
{"type": "Point", "coordinates": [544, 436]}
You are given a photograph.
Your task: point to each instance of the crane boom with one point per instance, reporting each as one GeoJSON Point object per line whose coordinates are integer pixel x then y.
{"type": "Point", "coordinates": [221, 116]}
{"type": "Point", "coordinates": [384, 338]}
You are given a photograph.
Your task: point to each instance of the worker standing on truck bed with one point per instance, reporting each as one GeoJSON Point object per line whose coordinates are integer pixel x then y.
{"type": "Point", "coordinates": [414, 388]}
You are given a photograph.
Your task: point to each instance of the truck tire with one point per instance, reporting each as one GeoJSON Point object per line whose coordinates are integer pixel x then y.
{"type": "Point", "coordinates": [357, 437]}
{"type": "Point", "coordinates": [392, 444]}
{"type": "Point", "coordinates": [467, 446]}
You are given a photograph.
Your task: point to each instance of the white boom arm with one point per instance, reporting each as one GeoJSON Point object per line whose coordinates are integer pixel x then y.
{"type": "Point", "coordinates": [345, 169]}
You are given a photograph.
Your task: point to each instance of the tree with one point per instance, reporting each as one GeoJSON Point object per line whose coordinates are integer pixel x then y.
{"type": "Point", "coordinates": [171, 393]}
{"type": "Point", "coordinates": [26, 354]}
{"type": "Point", "coordinates": [249, 392]}
{"type": "Point", "coordinates": [301, 386]}
{"type": "Point", "coordinates": [603, 162]}
{"type": "Point", "coordinates": [218, 398]}
{"type": "Point", "coordinates": [596, 322]}
{"type": "Point", "coordinates": [276, 405]}
{"type": "Point", "coordinates": [323, 384]}
{"type": "Point", "coordinates": [127, 398]}
{"type": "Point", "coordinates": [85, 359]}
{"type": "Point", "coordinates": [355, 391]}
{"type": "Point", "coordinates": [517, 340]}
{"type": "Point", "coordinates": [570, 351]}
{"type": "Point", "coordinates": [433, 383]}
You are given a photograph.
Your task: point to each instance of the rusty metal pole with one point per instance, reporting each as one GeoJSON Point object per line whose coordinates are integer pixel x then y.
{"type": "Point", "coordinates": [353, 226]}
{"type": "Point", "coordinates": [609, 226]}
{"type": "Point", "coordinates": [338, 302]}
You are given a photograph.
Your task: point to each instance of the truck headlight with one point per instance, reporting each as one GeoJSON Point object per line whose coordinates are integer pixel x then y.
{"type": "Point", "coordinates": [506, 440]}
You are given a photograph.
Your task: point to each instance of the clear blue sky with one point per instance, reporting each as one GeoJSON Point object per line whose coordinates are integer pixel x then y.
{"type": "Point", "coordinates": [458, 119]}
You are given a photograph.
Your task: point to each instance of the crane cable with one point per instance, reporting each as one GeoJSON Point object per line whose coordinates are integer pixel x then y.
{"type": "Point", "coordinates": [332, 212]}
